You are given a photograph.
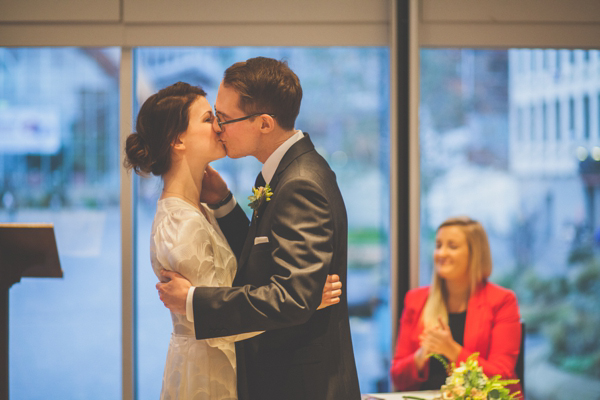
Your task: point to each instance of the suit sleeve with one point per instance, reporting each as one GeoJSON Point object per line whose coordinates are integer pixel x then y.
{"type": "Point", "coordinates": [404, 372]}
{"type": "Point", "coordinates": [235, 228]}
{"type": "Point", "coordinates": [505, 339]}
{"type": "Point", "coordinates": [218, 341]}
{"type": "Point", "coordinates": [298, 264]}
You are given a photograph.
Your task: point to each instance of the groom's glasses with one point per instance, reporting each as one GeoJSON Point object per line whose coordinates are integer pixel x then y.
{"type": "Point", "coordinates": [231, 121]}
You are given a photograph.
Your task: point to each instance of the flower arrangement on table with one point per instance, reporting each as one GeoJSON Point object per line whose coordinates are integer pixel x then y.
{"type": "Point", "coordinates": [468, 382]}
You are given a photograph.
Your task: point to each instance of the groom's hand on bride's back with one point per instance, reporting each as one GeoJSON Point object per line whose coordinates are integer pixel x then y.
{"type": "Point", "coordinates": [214, 188]}
{"type": "Point", "coordinates": [173, 292]}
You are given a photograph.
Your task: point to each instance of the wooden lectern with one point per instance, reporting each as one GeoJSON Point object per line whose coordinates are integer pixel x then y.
{"type": "Point", "coordinates": [26, 250]}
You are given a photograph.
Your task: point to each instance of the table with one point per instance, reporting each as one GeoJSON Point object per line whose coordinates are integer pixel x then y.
{"type": "Point", "coordinates": [425, 394]}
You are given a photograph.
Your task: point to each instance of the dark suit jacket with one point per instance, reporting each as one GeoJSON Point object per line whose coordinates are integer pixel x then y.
{"type": "Point", "coordinates": [304, 353]}
{"type": "Point", "coordinates": [492, 328]}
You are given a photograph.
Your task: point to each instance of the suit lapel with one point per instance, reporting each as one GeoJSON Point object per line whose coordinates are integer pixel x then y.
{"type": "Point", "coordinates": [300, 147]}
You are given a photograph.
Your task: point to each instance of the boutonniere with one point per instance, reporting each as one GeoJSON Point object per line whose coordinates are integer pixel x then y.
{"type": "Point", "coordinates": [260, 195]}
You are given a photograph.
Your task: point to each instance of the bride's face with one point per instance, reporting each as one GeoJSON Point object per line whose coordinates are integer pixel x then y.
{"type": "Point", "coordinates": [200, 139]}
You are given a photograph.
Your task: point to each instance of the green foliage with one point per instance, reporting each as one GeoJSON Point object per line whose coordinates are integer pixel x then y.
{"type": "Point", "coordinates": [366, 236]}
{"type": "Point", "coordinates": [581, 254]}
{"type": "Point", "coordinates": [361, 242]}
{"type": "Point", "coordinates": [588, 280]}
{"type": "Point", "coordinates": [442, 359]}
{"type": "Point", "coordinates": [564, 310]}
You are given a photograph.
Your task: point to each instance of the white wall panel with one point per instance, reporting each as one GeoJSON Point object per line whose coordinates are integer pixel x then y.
{"type": "Point", "coordinates": [60, 10]}
{"type": "Point", "coordinates": [258, 35]}
{"type": "Point", "coordinates": [510, 35]}
{"type": "Point", "coordinates": [201, 23]}
{"type": "Point", "coordinates": [73, 34]}
{"type": "Point", "coordinates": [506, 11]}
{"type": "Point", "coordinates": [78, 34]}
{"type": "Point", "coordinates": [510, 23]}
{"type": "Point", "coordinates": [279, 11]}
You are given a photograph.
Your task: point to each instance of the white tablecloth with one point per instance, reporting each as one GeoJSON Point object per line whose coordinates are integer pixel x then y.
{"type": "Point", "coordinates": [427, 395]}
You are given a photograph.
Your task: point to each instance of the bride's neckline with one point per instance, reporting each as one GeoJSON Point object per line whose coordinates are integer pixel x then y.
{"type": "Point", "coordinates": [180, 196]}
{"type": "Point", "coordinates": [199, 207]}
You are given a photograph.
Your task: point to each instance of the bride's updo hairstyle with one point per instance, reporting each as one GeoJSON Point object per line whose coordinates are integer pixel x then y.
{"type": "Point", "coordinates": [162, 118]}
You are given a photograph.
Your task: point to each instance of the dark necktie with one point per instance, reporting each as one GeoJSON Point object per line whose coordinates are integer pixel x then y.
{"type": "Point", "coordinates": [260, 181]}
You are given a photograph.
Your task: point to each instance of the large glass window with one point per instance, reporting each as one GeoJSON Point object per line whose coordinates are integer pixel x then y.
{"type": "Point", "coordinates": [59, 163]}
{"type": "Point", "coordinates": [345, 109]}
{"type": "Point", "coordinates": [537, 195]}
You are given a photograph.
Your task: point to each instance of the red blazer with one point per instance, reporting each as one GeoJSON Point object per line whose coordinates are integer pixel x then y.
{"type": "Point", "coordinates": [492, 328]}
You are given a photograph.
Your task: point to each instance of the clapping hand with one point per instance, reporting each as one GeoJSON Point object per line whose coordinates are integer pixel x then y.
{"type": "Point", "coordinates": [439, 340]}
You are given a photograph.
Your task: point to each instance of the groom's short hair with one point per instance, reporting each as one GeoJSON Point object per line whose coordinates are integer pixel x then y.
{"type": "Point", "coordinates": [266, 86]}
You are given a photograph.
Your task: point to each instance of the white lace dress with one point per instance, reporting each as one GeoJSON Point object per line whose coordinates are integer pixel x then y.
{"type": "Point", "coordinates": [183, 240]}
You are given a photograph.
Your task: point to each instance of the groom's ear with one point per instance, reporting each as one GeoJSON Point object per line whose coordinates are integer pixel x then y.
{"type": "Point", "coordinates": [267, 123]}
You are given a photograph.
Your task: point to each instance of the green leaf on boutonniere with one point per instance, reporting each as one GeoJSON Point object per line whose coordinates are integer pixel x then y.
{"type": "Point", "coordinates": [260, 195]}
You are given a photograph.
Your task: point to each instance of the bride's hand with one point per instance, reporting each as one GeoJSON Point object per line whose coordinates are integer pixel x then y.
{"type": "Point", "coordinates": [173, 293]}
{"type": "Point", "coordinates": [214, 188]}
{"type": "Point", "coordinates": [331, 291]}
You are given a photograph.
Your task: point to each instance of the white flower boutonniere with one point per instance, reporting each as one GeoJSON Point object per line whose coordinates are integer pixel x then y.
{"type": "Point", "coordinates": [259, 197]}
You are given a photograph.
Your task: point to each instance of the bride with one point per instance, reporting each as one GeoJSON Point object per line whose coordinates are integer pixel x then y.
{"type": "Point", "coordinates": [175, 140]}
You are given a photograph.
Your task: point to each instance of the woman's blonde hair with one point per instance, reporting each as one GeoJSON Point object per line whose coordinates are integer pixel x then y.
{"type": "Point", "coordinates": [480, 268]}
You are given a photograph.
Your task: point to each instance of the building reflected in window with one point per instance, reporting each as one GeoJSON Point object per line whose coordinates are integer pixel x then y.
{"type": "Point", "coordinates": [60, 163]}
{"type": "Point", "coordinates": [524, 166]}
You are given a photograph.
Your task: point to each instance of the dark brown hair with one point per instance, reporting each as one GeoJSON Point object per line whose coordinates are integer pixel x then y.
{"type": "Point", "coordinates": [266, 86]}
{"type": "Point", "coordinates": [162, 118]}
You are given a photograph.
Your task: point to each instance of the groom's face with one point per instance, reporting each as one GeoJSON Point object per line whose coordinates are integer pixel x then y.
{"type": "Point", "coordinates": [239, 138]}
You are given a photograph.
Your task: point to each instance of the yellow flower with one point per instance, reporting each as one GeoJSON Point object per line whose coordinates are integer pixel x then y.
{"type": "Point", "coordinates": [460, 391]}
{"type": "Point", "coordinates": [458, 380]}
{"type": "Point", "coordinates": [260, 195]}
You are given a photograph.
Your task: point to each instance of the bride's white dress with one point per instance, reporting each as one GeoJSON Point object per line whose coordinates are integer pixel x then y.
{"type": "Point", "coordinates": [183, 240]}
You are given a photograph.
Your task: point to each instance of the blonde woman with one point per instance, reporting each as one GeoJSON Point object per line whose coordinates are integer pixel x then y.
{"type": "Point", "coordinates": [459, 314]}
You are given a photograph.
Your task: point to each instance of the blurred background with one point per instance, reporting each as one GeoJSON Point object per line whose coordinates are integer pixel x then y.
{"type": "Point", "coordinates": [512, 138]}
{"type": "Point", "coordinates": [509, 137]}
{"type": "Point", "coordinates": [425, 110]}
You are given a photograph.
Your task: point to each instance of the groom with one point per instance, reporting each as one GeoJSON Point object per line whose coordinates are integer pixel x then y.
{"type": "Point", "coordinates": [293, 241]}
